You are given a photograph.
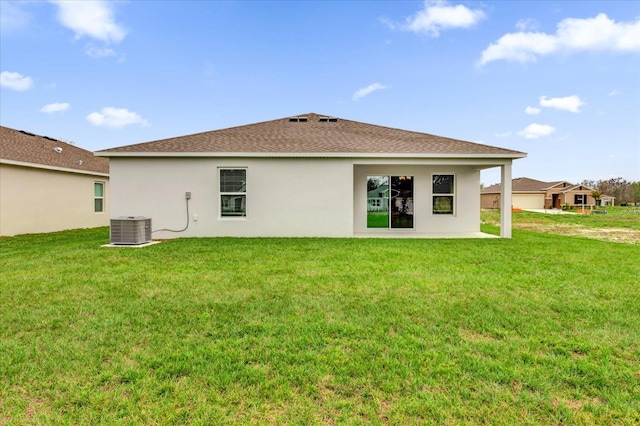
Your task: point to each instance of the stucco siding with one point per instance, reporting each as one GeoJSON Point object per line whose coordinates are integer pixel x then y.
{"type": "Point", "coordinates": [284, 197]}
{"type": "Point", "coordinates": [34, 200]}
{"type": "Point", "coordinates": [490, 201]}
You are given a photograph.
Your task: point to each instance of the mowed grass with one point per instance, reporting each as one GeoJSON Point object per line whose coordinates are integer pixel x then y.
{"type": "Point", "coordinates": [616, 217]}
{"type": "Point", "coordinates": [540, 329]}
{"type": "Point", "coordinates": [377, 219]}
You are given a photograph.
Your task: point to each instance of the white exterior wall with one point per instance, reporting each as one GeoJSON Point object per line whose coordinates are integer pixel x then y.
{"type": "Point", "coordinates": [285, 197]}
{"type": "Point", "coordinates": [34, 200]}
{"type": "Point", "coordinates": [466, 217]}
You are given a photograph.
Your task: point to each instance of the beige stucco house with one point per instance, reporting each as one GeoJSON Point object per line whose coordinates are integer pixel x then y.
{"type": "Point", "coordinates": [529, 193]}
{"type": "Point", "coordinates": [47, 185]}
{"type": "Point", "coordinates": [306, 176]}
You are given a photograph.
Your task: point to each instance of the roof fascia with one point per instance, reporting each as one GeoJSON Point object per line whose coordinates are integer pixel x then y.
{"type": "Point", "coordinates": [308, 155]}
{"type": "Point", "coordinates": [54, 168]}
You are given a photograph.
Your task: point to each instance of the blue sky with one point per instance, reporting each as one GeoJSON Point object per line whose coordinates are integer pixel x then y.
{"type": "Point", "coordinates": [559, 80]}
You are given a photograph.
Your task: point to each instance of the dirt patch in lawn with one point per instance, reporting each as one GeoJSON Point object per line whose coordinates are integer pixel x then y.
{"type": "Point", "coordinates": [618, 235]}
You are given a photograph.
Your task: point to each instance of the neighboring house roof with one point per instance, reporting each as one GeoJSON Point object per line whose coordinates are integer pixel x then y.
{"type": "Point", "coordinates": [524, 185]}
{"type": "Point", "coordinates": [576, 187]}
{"type": "Point", "coordinates": [313, 134]}
{"type": "Point", "coordinates": [519, 185]}
{"type": "Point", "coordinates": [554, 184]}
{"type": "Point", "coordinates": [24, 148]}
{"type": "Point", "coordinates": [375, 193]}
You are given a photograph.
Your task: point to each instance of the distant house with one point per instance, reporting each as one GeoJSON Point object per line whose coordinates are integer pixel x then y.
{"type": "Point", "coordinates": [306, 176]}
{"type": "Point", "coordinates": [47, 185]}
{"type": "Point", "coordinates": [529, 193]}
{"type": "Point", "coordinates": [378, 197]}
{"type": "Point", "coordinates": [606, 200]}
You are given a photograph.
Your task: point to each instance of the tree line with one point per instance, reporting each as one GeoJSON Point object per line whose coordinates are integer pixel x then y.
{"type": "Point", "coordinates": [625, 192]}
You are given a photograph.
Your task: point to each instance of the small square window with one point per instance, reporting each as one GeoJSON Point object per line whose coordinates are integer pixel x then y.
{"type": "Point", "coordinates": [443, 204]}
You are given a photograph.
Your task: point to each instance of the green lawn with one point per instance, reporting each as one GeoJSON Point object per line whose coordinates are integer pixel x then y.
{"type": "Point", "coordinates": [377, 219]}
{"type": "Point", "coordinates": [540, 329]}
{"type": "Point", "coordinates": [616, 217]}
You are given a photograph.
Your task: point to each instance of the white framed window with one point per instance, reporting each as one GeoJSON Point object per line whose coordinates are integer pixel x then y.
{"type": "Point", "coordinates": [233, 192]}
{"type": "Point", "coordinates": [443, 192]}
{"type": "Point", "coordinates": [98, 197]}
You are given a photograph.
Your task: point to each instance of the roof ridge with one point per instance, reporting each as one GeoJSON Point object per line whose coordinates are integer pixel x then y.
{"type": "Point", "coordinates": [313, 136]}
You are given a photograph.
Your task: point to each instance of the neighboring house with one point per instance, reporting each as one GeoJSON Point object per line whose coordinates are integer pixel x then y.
{"type": "Point", "coordinates": [529, 193]}
{"type": "Point", "coordinates": [47, 185]}
{"type": "Point", "coordinates": [606, 200]}
{"type": "Point", "coordinates": [378, 197]}
{"type": "Point", "coordinates": [306, 176]}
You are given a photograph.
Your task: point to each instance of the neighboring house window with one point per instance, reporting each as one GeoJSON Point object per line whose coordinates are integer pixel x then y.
{"type": "Point", "coordinates": [580, 199]}
{"type": "Point", "coordinates": [443, 194]}
{"type": "Point", "coordinates": [98, 197]}
{"type": "Point", "coordinates": [233, 190]}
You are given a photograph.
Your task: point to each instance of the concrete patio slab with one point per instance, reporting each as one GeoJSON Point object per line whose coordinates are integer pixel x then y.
{"type": "Point", "coordinates": [131, 245]}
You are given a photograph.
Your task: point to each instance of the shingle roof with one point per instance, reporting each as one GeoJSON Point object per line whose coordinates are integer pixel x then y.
{"type": "Point", "coordinates": [318, 135]}
{"type": "Point", "coordinates": [25, 147]}
{"type": "Point", "coordinates": [519, 185]}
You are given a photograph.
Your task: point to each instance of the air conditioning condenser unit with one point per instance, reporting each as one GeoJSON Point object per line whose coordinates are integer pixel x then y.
{"type": "Point", "coordinates": [131, 230]}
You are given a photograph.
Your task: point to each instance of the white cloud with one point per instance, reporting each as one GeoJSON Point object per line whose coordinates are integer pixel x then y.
{"type": "Point", "coordinates": [99, 52]}
{"type": "Point", "coordinates": [438, 15]}
{"type": "Point", "coordinates": [535, 131]}
{"type": "Point", "coordinates": [532, 110]}
{"type": "Point", "coordinates": [569, 103]}
{"type": "Point", "coordinates": [115, 118]}
{"type": "Point", "coordinates": [93, 19]}
{"type": "Point", "coordinates": [614, 92]}
{"type": "Point", "coordinates": [388, 23]}
{"type": "Point", "coordinates": [15, 81]}
{"type": "Point", "coordinates": [527, 24]}
{"type": "Point", "coordinates": [367, 90]}
{"type": "Point", "coordinates": [572, 35]}
{"type": "Point", "coordinates": [55, 107]}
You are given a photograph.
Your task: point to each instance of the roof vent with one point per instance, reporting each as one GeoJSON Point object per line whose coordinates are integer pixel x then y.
{"type": "Point", "coordinates": [79, 162]}
{"type": "Point", "coordinates": [26, 133]}
{"type": "Point", "coordinates": [57, 149]}
{"type": "Point", "coordinates": [298, 119]}
{"type": "Point", "coordinates": [50, 138]}
{"type": "Point", "coordinates": [327, 119]}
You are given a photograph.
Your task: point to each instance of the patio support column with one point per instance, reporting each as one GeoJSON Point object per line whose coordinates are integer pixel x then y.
{"type": "Point", "coordinates": [505, 201]}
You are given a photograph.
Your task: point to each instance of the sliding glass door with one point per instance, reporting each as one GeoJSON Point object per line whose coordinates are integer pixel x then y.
{"type": "Point", "coordinates": [389, 202]}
